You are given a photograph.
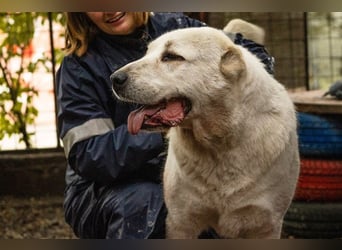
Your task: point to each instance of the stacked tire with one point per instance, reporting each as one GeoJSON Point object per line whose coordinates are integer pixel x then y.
{"type": "Point", "coordinates": [316, 211]}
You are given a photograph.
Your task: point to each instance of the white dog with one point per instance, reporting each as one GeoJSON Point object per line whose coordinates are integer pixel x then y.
{"type": "Point", "coordinates": [232, 160]}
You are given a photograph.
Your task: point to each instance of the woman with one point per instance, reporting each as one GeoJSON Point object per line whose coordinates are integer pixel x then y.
{"type": "Point", "coordinates": [113, 179]}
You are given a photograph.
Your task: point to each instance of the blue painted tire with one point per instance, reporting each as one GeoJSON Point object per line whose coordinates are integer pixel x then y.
{"type": "Point", "coordinates": [320, 135]}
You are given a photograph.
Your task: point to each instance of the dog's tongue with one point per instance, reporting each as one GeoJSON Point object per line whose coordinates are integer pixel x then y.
{"type": "Point", "coordinates": [169, 114]}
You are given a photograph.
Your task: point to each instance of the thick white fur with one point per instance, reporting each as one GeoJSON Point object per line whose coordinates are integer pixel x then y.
{"type": "Point", "coordinates": [233, 162]}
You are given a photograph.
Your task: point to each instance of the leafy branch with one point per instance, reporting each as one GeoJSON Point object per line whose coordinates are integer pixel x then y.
{"type": "Point", "coordinates": [17, 93]}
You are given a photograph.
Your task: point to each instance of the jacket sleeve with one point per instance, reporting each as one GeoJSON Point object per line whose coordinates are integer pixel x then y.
{"type": "Point", "coordinates": [97, 150]}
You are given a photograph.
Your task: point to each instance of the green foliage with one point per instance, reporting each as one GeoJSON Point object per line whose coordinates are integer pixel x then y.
{"type": "Point", "coordinates": [17, 110]}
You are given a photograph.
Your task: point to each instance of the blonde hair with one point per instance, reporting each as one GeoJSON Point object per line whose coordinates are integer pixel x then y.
{"type": "Point", "coordinates": [80, 30]}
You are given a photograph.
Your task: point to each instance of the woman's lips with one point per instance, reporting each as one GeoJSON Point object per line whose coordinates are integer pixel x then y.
{"type": "Point", "coordinates": [115, 18]}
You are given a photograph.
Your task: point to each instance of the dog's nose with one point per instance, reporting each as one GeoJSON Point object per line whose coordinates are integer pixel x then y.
{"type": "Point", "coordinates": [118, 78]}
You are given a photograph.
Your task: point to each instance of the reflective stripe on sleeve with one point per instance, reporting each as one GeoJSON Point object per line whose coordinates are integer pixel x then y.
{"type": "Point", "coordinates": [86, 130]}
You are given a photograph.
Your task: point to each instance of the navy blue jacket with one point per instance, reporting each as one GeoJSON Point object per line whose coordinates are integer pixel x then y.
{"type": "Point", "coordinates": [100, 152]}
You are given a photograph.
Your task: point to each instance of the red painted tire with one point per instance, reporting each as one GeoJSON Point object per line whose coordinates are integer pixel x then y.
{"type": "Point", "coordinates": [319, 188]}
{"type": "Point", "coordinates": [322, 195]}
{"type": "Point", "coordinates": [319, 180]}
{"type": "Point", "coordinates": [320, 167]}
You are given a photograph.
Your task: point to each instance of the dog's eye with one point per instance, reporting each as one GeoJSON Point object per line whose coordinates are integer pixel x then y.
{"type": "Point", "coordinates": [171, 57]}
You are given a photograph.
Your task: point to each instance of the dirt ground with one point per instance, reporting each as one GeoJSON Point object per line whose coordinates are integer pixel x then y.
{"type": "Point", "coordinates": [33, 218]}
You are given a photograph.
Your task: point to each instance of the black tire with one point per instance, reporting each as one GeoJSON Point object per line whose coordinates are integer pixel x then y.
{"type": "Point", "coordinates": [314, 212]}
{"type": "Point", "coordinates": [309, 234]}
{"type": "Point", "coordinates": [315, 226]}
{"type": "Point", "coordinates": [313, 220]}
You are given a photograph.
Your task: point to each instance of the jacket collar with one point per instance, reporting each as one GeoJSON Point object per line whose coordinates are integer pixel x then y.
{"type": "Point", "coordinates": [140, 37]}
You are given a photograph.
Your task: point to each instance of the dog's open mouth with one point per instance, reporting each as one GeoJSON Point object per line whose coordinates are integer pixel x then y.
{"type": "Point", "coordinates": [164, 114]}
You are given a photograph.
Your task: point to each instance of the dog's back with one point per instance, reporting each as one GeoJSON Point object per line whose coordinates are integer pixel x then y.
{"type": "Point", "coordinates": [249, 30]}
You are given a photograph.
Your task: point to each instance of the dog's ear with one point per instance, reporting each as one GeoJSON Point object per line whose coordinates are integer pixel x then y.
{"type": "Point", "coordinates": [232, 65]}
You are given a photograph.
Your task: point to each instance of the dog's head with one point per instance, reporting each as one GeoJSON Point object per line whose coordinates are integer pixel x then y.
{"type": "Point", "coordinates": [183, 73]}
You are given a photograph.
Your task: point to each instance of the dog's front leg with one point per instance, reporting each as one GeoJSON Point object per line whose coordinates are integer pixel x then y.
{"type": "Point", "coordinates": [177, 228]}
{"type": "Point", "coordinates": [250, 222]}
